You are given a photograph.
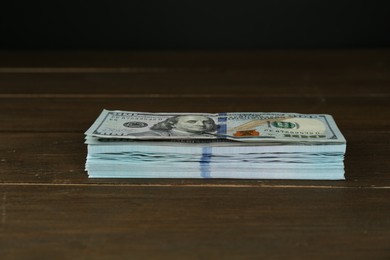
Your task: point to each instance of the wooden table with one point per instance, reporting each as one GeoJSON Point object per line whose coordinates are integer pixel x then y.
{"type": "Point", "coordinates": [49, 209]}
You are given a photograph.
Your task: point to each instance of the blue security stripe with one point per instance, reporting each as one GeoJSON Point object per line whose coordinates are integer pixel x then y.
{"type": "Point", "coordinates": [222, 118]}
{"type": "Point", "coordinates": [204, 164]}
{"type": "Point", "coordinates": [221, 133]}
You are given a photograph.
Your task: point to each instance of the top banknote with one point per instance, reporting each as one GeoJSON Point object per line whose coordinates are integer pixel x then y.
{"type": "Point", "coordinates": [240, 126]}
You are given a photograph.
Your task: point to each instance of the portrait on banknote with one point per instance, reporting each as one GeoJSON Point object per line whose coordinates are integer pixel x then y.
{"type": "Point", "coordinates": [183, 125]}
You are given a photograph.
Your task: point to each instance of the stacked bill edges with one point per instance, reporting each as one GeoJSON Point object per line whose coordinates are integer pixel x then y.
{"type": "Point", "coordinates": [125, 144]}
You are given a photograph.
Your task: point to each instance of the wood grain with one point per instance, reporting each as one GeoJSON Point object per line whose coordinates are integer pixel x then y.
{"type": "Point", "coordinates": [289, 82]}
{"type": "Point", "coordinates": [50, 209]}
{"type": "Point", "coordinates": [193, 222]}
{"type": "Point", "coordinates": [187, 60]}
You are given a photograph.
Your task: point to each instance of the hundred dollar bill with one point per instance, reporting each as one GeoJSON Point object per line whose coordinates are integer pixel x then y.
{"type": "Point", "coordinates": [236, 126]}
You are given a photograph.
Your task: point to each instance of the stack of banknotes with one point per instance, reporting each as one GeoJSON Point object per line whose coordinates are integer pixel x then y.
{"type": "Point", "coordinates": [247, 145]}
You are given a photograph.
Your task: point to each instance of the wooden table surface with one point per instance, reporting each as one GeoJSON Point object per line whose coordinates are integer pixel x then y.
{"type": "Point", "coordinates": [49, 209]}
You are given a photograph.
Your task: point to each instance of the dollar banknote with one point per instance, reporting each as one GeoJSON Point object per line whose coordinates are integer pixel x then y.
{"type": "Point", "coordinates": [236, 126]}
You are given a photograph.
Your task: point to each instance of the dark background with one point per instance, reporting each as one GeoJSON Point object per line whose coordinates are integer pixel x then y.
{"type": "Point", "coordinates": [187, 25]}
